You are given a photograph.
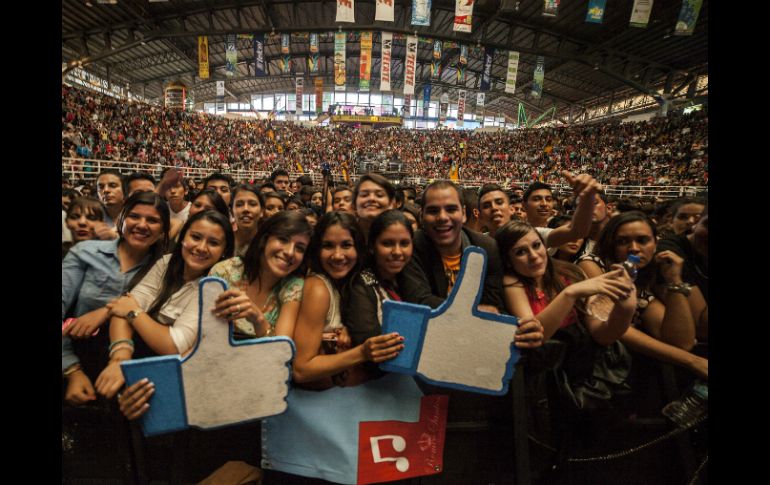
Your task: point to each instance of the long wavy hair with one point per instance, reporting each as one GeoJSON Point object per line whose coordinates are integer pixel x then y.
{"type": "Point", "coordinates": [173, 278]}
{"type": "Point", "coordinates": [282, 224]}
{"type": "Point", "coordinates": [379, 224]}
{"type": "Point", "coordinates": [555, 271]}
{"type": "Point", "coordinates": [159, 248]}
{"type": "Point", "coordinates": [348, 222]}
{"type": "Point", "coordinates": [606, 246]}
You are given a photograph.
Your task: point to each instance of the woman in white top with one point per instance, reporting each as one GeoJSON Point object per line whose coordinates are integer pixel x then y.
{"type": "Point", "coordinates": [163, 308]}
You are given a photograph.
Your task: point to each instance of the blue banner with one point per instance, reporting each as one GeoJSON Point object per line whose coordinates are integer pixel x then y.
{"type": "Point", "coordinates": [426, 100]}
{"type": "Point", "coordinates": [537, 81]}
{"type": "Point", "coordinates": [688, 16]}
{"type": "Point", "coordinates": [486, 75]}
{"type": "Point", "coordinates": [312, 61]}
{"type": "Point", "coordinates": [231, 54]}
{"type": "Point", "coordinates": [421, 12]}
{"type": "Point", "coordinates": [259, 55]}
{"type": "Point", "coordinates": [595, 12]}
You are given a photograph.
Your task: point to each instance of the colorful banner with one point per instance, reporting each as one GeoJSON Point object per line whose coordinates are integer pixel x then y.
{"type": "Point", "coordinates": [513, 68]}
{"type": "Point", "coordinates": [220, 96]}
{"type": "Point", "coordinates": [231, 54]}
{"type": "Point", "coordinates": [421, 12]}
{"type": "Point", "coordinates": [460, 107]}
{"type": "Point", "coordinates": [319, 95]}
{"type": "Point", "coordinates": [435, 65]}
{"type": "Point", "coordinates": [312, 61]}
{"type": "Point", "coordinates": [345, 11]}
{"type": "Point", "coordinates": [595, 13]}
{"type": "Point", "coordinates": [300, 91]}
{"type": "Point", "coordinates": [387, 104]}
{"type": "Point", "coordinates": [454, 171]}
{"type": "Point", "coordinates": [550, 8]}
{"type": "Point", "coordinates": [410, 63]}
{"type": "Point", "coordinates": [462, 64]}
{"type": "Point", "coordinates": [640, 14]}
{"type": "Point", "coordinates": [285, 53]}
{"type": "Point", "coordinates": [365, 65]}
{"type": "Point", "coordinates": [339, 61]}
{"type": "Point", "coordinates": [463, 15]}
{"type": "Point", "coordinates": [259, 55]}
{"type": "Point", "coordinates": [486, 75]}
{"type": "Point", "coordinates": [384, 11]}
{"type": "Point", "coordinates": [537, 80]}
{"type": "Point", "coordinates": [203, 57]}
{"type": "Point", "coordinates": [426, 99]}
{"type": "Point", "coordinates": [443, 107]}
{"type": "Point", "coordinates": [688, 16]}
{"type": "Point", "coordinates": [387, 46]}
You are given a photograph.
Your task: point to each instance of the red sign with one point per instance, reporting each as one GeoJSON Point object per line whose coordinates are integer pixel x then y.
{"type": "Point", "coordinates": [395, 450]}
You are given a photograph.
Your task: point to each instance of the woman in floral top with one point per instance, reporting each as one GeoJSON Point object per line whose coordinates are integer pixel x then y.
{"type": "Point", "coordinates": [265, 285]}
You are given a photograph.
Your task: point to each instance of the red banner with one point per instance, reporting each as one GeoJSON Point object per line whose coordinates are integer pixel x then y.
{"type": "Point", "coordinates": [395, 450]}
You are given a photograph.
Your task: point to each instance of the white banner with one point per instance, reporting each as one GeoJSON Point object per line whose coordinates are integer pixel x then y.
{"type": "Point", "coordinates": [384, 11]}
{"type": "Point", "coordinates": [300, 92]}
{"type": "Point", "coordinates": [460, 107]}
{"type": "Point", "coordinates": [220, 88]}
{"type": "Point", "coordinates": [421, 12]}
{"type": "Point", "coordinates": [640, 14]}
{"type": "Point", "coordinates": [411, 64]}
{"type": "Point", "coordinates": [513, 68]}
{"type": "Point", "coordinates": [345, 11]}
{"type": "Point", "coordinates": [387, 45]}
{"type": "Point", "coordinates": [463, 15]}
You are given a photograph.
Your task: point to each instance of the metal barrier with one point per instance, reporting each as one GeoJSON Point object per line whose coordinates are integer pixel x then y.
{"type": "Point", "coordinates": [88, 169]}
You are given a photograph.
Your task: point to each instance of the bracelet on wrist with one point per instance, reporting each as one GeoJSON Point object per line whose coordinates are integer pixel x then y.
{"type": "Point", "coordinates": [71, 369]}
{"type": "Point", "coordinates": [683, 288]}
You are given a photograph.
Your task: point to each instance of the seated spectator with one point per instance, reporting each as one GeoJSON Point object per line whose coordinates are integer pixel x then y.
{"type": "Point", "coordinates": [82, 218]}
{"type": "Point", "coordinates": [161, 312]}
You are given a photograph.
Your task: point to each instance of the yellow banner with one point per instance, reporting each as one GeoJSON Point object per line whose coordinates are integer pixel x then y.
{"type": "Point", "coordinates": [365, 61]}
{"type": "Point", "coordinates": [203, 57]}
{"type": "Point", "coordinates": [376, 119]}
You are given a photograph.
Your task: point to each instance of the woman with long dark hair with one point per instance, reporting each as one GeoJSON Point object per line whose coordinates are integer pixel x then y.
{"type": "Point", "coordinates": [162, 309]}
{"type": "Point", "coordinates": [247, 204]}
{"type": "Point", "coordinates": [96, 272]}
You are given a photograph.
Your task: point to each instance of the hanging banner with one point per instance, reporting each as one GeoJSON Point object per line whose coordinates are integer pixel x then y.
{"type": "Point", "coordinates": [537, 81]}
{"type": "Point", "coordinates": [640, 14]}
{"type": "Point", "coordinates": [259, 55]}
{"type": "Point", "coordinates": [595, 13]}
{"type": "Point", "coordinates": [480, 107]}
{"type": "Point", "coordinates": [426, 99]}
{"type": "Point", "coordinates": [203, 57]}
{"type": "Point", "coordinates": [387, 104]}
{"type": "Point", "coordinates": [300, 92]}
{"type": "Point", "coordinates": [339, 61]}
{"type": "Point", "coordinates": [550, 8]}
{"type": "Point", "coordinates": [688, 16]}
{"type": "Point", "coordinates": [513, 68]}
{"type": "Point", "coordinates": [365, 65]}
{"type": "Point", "coordinates": [345, 11]}
{"type": "Point", "coordinates": [411, 64]}
{"type": "Point", "coordinates": [443, 108]}
{"type": "Point", "coordinates": [460, 107]}
{"type": "Point", "coordinates": [463, 15]}
{"type": "Point", "coordinates": [220, 96]}
{"type": "Point", "coordinates": [387, 46]}
{"type": "Point", "coordinates": [285, 53]}
{"type": "Point", "coordinates": [435, 65]}
{"type": "Point", "coordinates": [319, 95]}
{"type": "Point", "coordinates": [312, 61]}
{"type": "Point", "coordinates": [407, 105]}
{"type": "Point", "coordinates": [384, 11]}
{"type": "Point", "coordinates": [420, 12]}
{"type": "Point", "coordinates": [486, 75]}
{"type": "Point", "coordinates": [462, 64]}
{"type": "Point", "coordinates": [231, 55]}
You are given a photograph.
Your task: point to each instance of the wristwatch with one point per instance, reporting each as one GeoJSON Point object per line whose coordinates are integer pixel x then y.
{"type": "Point", "coordinates": [131, 316]}
{"type": "Point", "coordinates": [683, 288]}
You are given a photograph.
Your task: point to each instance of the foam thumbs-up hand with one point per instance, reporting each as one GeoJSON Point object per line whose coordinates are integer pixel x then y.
{"type": "Point", "coordinates": [456, 345]}
{"type": "Point", "coordinates": [221, 382]}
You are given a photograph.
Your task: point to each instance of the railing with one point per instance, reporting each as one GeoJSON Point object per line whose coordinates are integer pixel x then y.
{"type": "Point", "coordinates": [88, 169]}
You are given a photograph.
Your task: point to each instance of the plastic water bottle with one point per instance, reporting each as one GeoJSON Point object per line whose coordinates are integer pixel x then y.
{"type": "Point", "coordinates": [600, 306]}
{"type": "Point", "coordinates": [688, 409]}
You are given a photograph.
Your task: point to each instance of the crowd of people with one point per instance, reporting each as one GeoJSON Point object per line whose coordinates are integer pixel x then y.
{"type": "Point", "coordinates": [670, 150]}
{"type": "Point", "coordinates": [316, 264]}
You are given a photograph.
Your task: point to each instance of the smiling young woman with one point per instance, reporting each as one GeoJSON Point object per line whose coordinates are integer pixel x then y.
{"type": "Point", "coordinates": [247, 211]}
{"type": "Point", "coordinates": [372, 195]}
{"type": "Point", "coordinates": [162, 310]}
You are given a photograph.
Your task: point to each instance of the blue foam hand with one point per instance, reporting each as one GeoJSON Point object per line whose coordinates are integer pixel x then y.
{"type": "Point", "coordinates": [221, 382]}
{"type": "Point", "coordinates": [455, 345]}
